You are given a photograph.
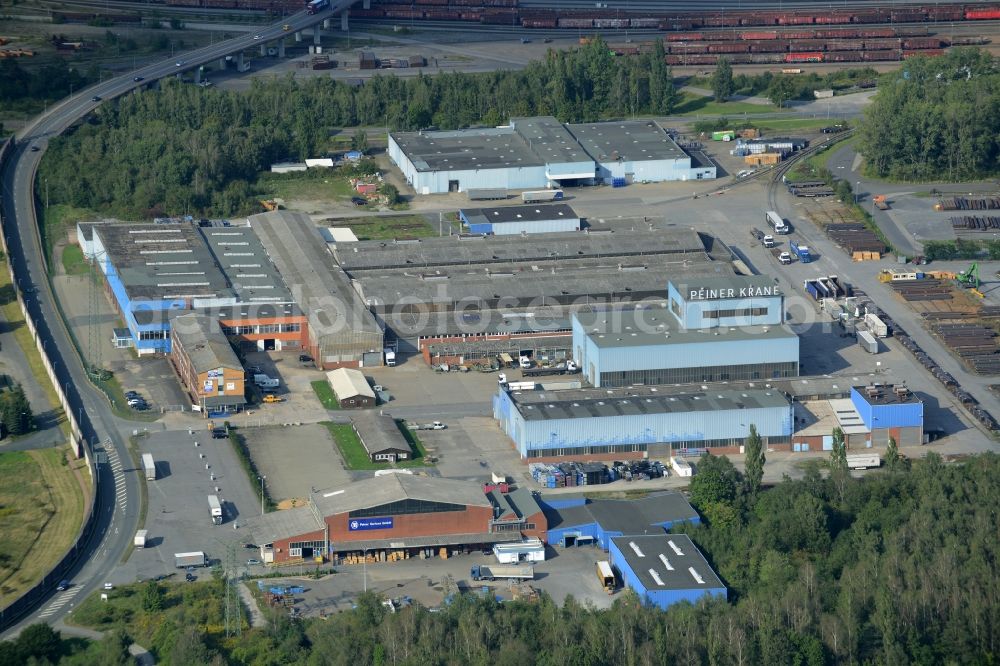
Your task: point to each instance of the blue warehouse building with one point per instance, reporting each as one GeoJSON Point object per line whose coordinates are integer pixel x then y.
{"type": "Point", "coordinates": [517, 220]}
{"type": "Point", "coordinates": [576, 520]}
{"type": "Point", "coordinates": [664, 569]}
{"type": "Point", "coordinates": [539, 152]}
{"type": "Point", "coordinates": [637, 421]}
{"type": "Point", "coordinates": [890, 411]}
{"type": "Point", "coordinates": [713, 329]}
{"type": "Point", "coordinates": [153, 270]}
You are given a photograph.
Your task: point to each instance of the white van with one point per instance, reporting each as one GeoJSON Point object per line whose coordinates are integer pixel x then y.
{"type": "Point", "coordinates": [524, 361]}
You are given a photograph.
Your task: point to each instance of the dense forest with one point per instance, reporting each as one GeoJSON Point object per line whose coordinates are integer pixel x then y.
{"type": "Point", "coordinates": [936, 119]}
{"type": "Point", "coordinates": [897, 568]}
{"type": "Point", "coordinates": [185, 149]}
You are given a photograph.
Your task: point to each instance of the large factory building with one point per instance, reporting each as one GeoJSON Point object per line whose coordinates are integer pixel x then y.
{"type": "Point", "coordinates": [412, 516]}
{"type": "Point", "coordinates": [342, 332]}
{"type": "Point", "coordinates": [639, 421]}
{"type": "Point", "coordinates": [713, 329]}
{"type": "Point", "coordinates": [541, 152]}
{"type": "Point", "coordinates": [664, 569]}
{"type": "Point", "coordinates": [456, 299]}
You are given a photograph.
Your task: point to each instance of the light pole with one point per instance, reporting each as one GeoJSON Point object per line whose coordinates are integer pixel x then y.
{"type": "Point", "coordinates": [262, 494]}
{"type": "Point", "coordinates": [857, 193]}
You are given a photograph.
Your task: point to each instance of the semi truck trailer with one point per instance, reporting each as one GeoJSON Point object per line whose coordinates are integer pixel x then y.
{"type": "Point", "coordinates": [195, 559]}
{"type": "Point", "coordinates": [149, 466]}
{"type": "Point", "coordinates": [502, 571]}
{"type": "Point", "coordinates": [215, 509]}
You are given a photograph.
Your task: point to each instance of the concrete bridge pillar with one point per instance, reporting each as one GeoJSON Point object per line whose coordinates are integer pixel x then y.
{"type": "Point", "coordinates": [197, 75]}
{"type": "Point", "coordinates": [298, 36]}
{"type": "Point", "coordinates": [316, 37]}
{"type": "Point", "coordinates": [222, 63]}
{"type": "Point", "coordinates": [263, 50]}
{"type": "Point", "coordinates": [343, 21]}
{"type": "Point", "coordinates": [326, 24]}
{"type": "Point", "coordinates": [239, 61]}
{"type": "Point", "coordinates": [367, 4]}
{"type": "Point", "coordinates": [281, 48]}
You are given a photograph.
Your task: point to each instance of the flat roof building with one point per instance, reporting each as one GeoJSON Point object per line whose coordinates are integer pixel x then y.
{"type": "Point", "coordinates": [890, 411]}
{"type": "Point", "coordinates": [517, 220]}
{"type": "Point", "coordinates": [538, 152]}
{"type": "Point", "coordinates": [577, 520]}
{"type": "Point", "coordinates": [393, 513]}
{"type": "Point", "coordinates": [664, 569]}
{"type": "Point", "coordinates": [343, 333]}
{"type": "Point", "coordinates": [206, 364]}
{"type": "Point", "coordinates": [638, 421]}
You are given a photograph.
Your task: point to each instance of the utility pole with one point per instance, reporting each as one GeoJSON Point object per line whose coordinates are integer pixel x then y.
{"type": "Point", "coordinates": [234, 613]}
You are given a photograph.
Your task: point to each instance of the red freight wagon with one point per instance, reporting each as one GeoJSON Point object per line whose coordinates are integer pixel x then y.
{"type": "Point", "coordinates": [844, 56]}
{"type": "Point", "coordinates": [833, 19]}
{"type": "Point", "coordinates": [644, 22]}
{"type": "Point", "coordinates": [880, 55]}
{"type": "Point", "coordinates": [793, 19]}
{"type": "Point", "coordinates": [539, 23]}
{"type": "Point", "coordinates": [867, 17]}
{"type": "Point", "coordinates": [759, 35]}
{"type": "Point", "coordinates": [797, 34]}
{"type": "Point", "coordinates": [844, 45]}
{"type": "Point", "coordinates": [767, 57]}
{"type": "Point", "coordinates": [678, 24]}
{"type": "Point", "coordinates": [945, 13]}
{"type": "Point", "coordinates": [688, 48]}
{"type": "Point", "coordinates": [809, 45]}
{"type": "Point", "coordinates": [685, 37]}
{"type": "Point", "coordinates": [576, 23]}
{"type": "Point", "coordinates": [837, 33]}
{"type": "Point", "coordinates": [881, 44]}
{"type": "Point", "coordinates": [928, 52]}
{"type": "Point", "coordinates": [731, 47]}
{"type": "Point", "coordinates": [921, 43]}
{"type": "Point", "coordinates": [899, 16]}
{"type": "Point", "coordinates": [727, 21]}
{"type": "Point", "coordinates": [803, 57]}
{"type": "Point", "coordinates": [610, 23]}
{"type": "Point", "coordinates": [770, 46]}
{"type": "Point", "coordinates": [498, 3]}
{"type": "Point", "coordinates": [876, 32]}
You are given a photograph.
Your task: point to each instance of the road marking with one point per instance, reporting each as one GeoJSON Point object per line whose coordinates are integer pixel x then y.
{"type": "Point", "coordinates": [60, 601]}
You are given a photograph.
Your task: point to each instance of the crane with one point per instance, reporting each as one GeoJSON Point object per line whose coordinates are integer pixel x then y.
{"type": "Point", "coordinates": [969, 278]}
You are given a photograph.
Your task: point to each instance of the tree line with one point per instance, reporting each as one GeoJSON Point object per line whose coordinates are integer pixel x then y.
{"type": "Point", "coordinates": [184, 149]}
{"type": "Point", "coordinates": [936, 119]}
{"type": "Point", "coordinates": [899, 567]}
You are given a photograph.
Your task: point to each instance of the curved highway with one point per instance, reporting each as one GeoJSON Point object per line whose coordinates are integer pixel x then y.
{"type": "Point", "coordinates": [118, 491]}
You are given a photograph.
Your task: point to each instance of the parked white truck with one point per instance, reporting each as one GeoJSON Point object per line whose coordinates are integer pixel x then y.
{"type": "Point", "coordinates": [149, 466]}
{"type": "Point", "coordinates": [140, 539]}
{"type": "Point", "coordinates": [195, 559]}
{"type": "Point", "coordinates": [863, 460]}
{"type": "Point", "coordinates": [215, 508]}
{"type": "Point", "coordinates": [506, 571]}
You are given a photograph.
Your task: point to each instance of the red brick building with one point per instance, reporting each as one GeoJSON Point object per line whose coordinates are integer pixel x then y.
{"type": "Point", "coordinates": [398, 513]}
{"type": "Point", "coordinates": [265, 327]}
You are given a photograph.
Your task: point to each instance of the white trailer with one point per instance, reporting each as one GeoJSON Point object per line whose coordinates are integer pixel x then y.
{"type": "Point", "coordinates": [494, 571]}
{"type": "Point", "coordinates": [195, 559]}
{"type": "Point", "coordinates": [868, 342]}
{"type": "Point", "coordinates": [215, 508]}
{"type": "Point", "coordinates": [541, 195]}
{"type": "Point", "coordinates": [863, 460]}
{"type": "Point", "coordinates": [149, 466]}
{"type": "Point", "coordinates": [140, 539]}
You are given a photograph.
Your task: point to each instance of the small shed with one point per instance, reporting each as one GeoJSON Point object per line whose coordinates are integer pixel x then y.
{"type": "Point", "coordinates": [351, 388]}
{"type": "Point", "coordinates": [530, 550]}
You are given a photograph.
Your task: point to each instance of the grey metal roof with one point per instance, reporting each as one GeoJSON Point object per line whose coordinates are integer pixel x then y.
{"type": "Point", "coordinates": [203, 342]}
{"type": "Point", "coordinates": [518, 503]}
{"type": "Point", "coordinates": [378, 433]}
{"type": "Point", "coordinates": [657, 326]}
{"type": "Point", "coordinates": [244, 262]}
{"type": "Point", "coordinates": [551, 141]}
{"type": "Point", "coordinates": [656, 549]}
{"type": "Point", "coordinates": [162, 261]}
{"type": "Point", "coordinates": [255, 311]}
{"type": "Point", "coordinates": [626, 516]}
{"type": "Point", "coordinates": [547, 247]}
{"type": "Point", "coordinates": [320, 288]}
{"type": "Point", "coordinates": [639, 401]}
{"type": "Point", "coordinates": [284, 524]}
{"type": "Point", "coordinates": [460, 150]}
{"type": "Point", "coordinates": [395, 487]}
{"type": "Point", "coordinates": [627, 140]}
{"type": "Point", "coordinates": [529, 213]}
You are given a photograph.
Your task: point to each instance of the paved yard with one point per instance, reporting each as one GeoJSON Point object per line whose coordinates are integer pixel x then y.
{"type": "Point", "coordinates": [296, 459]}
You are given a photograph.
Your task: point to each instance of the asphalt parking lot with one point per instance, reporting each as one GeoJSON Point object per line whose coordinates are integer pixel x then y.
{"type": "Point", "coordinates": [565, 572]}
{"type": "Point", "coordinates": [296, 459]}
{"type": "Point", "coordinates": [177, 517]}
